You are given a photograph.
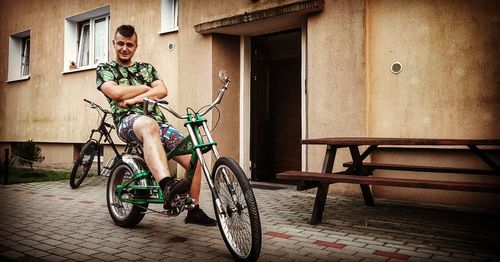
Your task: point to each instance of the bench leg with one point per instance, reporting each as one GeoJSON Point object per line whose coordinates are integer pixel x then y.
{"type": "Point", "coordinates": [367, 195]}
{"type": "Point", "coordinates": [322, 192]}
{"type": "Point", "coordinates": [319, 204]}
{"type": "Point", "coordinates": [357, 167]}
{"type": "Point", "coordinates": [484, 157]}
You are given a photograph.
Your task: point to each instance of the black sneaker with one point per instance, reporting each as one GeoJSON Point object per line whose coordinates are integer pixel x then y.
{"type": "Point", "coordinates": [174, 188]}
{"type": "Point", "coordinates": [197, 216]}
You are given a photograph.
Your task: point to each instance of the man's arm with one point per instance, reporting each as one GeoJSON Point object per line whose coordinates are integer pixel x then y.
{"type": "Point", "coordinates": [157, 90]}
{"type": "Point", "coordinates": [111, 90]}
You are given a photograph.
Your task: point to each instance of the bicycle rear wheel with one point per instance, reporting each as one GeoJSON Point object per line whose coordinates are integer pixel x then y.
{"type": "Point", "coordinates": [123, 214]}
{"type": "Point", "coordinates": [239, 222]}
{"type": "Point", "coordinates": [83, 163]}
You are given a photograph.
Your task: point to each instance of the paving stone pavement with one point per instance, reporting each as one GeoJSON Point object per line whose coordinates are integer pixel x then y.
{"type": "Point", "coordinates": [49, 221]}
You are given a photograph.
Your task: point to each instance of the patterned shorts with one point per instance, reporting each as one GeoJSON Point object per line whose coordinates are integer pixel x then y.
{"type": "Point", "coordinates": [170, 137]}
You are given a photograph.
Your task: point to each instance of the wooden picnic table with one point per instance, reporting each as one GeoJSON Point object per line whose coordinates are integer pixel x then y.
{"type": "Point", "coordinates": [359, 172]}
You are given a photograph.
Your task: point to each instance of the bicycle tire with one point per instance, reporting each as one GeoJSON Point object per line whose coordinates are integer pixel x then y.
{"type": "Point", "coordinates": [240, 225]}
{"type": "Point", "coordinates": [83, 164]}
{"type": "Point", "coordinates": [123, 214]}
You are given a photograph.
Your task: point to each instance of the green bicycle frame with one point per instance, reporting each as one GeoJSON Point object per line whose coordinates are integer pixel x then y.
{"type": "Point", "coordinates": [144, 181]}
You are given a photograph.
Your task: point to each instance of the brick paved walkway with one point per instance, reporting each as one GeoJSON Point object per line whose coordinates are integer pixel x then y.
{"type": "Point", "coordinates": [51, 222]}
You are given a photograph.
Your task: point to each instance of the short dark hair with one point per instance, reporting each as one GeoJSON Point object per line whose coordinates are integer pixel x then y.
{"type": "Point", "coordinates": [126, 30]}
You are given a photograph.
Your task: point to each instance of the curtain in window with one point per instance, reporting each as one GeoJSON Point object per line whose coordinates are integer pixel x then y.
{"type": "Point", "coordinates": [100, 40]}
{"type": "Point", "coordinates": [25, 59]}
{"type": "Point", "coordinates": [84, 44]}
{"type": "Point", "coordinates": [170, 14]}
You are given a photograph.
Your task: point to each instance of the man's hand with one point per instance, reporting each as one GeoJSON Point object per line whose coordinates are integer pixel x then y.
{"type": "Point", "coordinates": [127, 102]}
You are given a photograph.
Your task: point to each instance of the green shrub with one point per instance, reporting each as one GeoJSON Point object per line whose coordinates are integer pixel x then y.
{"type": "Point", "coordinates": [27, 153]}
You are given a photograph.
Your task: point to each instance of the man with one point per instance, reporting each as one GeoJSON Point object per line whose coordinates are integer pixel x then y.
{"type": "Point", "coordinates": [125, 83]}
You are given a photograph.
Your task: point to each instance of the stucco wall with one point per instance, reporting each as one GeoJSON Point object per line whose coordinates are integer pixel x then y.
{"type": "Point", "coordinates": [336, 91]}
{"type": "Point", "coordinates": [48, 107]}
{"type": "Point", "coordinates": [226, 55]}
{"type": "Point", "coordinates": [449, 86]}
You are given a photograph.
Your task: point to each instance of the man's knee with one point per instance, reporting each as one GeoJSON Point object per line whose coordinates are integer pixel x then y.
{"type": "Point", "coordinates": [146, 126]}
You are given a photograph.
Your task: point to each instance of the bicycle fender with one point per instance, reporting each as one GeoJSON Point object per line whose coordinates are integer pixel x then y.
{"type": "Point", "coordinates": [135, 162]}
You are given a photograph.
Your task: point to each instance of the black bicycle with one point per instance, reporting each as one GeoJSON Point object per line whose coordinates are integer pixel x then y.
{"type": "Point", "coordinates": [91, 148]}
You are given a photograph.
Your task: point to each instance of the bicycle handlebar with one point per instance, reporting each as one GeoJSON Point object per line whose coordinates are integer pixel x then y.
{"type": "Point", "coordinates": [94, 105]}
{"type": "Point", "coordinates": [164, 104]}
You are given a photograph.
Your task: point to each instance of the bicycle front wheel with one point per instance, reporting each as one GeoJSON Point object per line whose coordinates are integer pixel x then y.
{"type": "Point", "coordinates": [239, 220]}
{"type": "Point", "coordinates": [83, 163]}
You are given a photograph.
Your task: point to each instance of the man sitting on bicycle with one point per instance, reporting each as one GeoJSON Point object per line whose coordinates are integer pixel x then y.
{"type": "Point", "coordinates": [125, 83]}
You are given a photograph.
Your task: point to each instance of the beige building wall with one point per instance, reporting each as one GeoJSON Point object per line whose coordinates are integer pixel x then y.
{"type": "Point", "coordinates": [448, 88]}
{"type": "Point", "coordinates": [336, 85]}
{"type": "Point", "coordinates": [226, 55]}
{"type": "Point", "coordinates": [49, 107]}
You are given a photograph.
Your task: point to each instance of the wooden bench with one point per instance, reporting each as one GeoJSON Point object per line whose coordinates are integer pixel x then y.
{"type": "Point", "coordinates": [390, 181]}
{"type": "Point", "coordinates": [360, 172]}
{"type": "Point", "coordinates": [399, 167]}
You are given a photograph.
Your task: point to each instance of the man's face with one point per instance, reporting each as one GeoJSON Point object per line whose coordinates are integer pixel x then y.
{"type": "Point", "coordinates": [125, 47]}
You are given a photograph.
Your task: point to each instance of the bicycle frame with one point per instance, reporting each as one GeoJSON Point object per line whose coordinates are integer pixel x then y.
{"type": "Point", "coordinates": [103, 131]}
{"type": "Point", "coordinates": [196, 147]}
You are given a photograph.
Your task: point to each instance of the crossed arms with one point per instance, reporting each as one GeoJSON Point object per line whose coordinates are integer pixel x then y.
{"type": "Point", "coordinates": [129, 95]}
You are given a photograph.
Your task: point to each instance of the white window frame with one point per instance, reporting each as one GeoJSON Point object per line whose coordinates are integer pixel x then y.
{"type": "Point", "coordinates": [80, 44]}
{"type": "Point", "coordinates": [73, 33]}
{"type": "Point", "coordinates": [169, 16]}
{"type": "Point", "coordinates": [25, 59]}
{"type": "Point", "coordinates": [19, 44]}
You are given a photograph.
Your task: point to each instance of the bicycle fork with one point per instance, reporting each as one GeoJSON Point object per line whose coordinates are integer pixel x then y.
{"type": "Point", "coordinates": [207, 172]}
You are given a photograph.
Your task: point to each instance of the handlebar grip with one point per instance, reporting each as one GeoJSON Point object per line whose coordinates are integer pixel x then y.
{"type": "Point", "coordinates": [87, 101]}
{"type": "Point", "coordinates": [145, 106]}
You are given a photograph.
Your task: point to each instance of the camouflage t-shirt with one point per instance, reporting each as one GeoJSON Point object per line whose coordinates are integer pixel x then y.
{"type": "Point", "coordinates": [136, 74]}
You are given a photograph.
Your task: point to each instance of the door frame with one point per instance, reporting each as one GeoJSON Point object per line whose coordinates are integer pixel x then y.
{"type": "Point", "coordinates": [245, 84]}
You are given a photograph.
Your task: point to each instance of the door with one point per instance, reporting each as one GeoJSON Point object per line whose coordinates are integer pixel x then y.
{"type": "Point", "coordinates": [275, 104]}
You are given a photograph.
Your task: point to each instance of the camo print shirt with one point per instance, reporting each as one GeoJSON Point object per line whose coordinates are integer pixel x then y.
{"type": "Point", "coordinates": [136, 74]}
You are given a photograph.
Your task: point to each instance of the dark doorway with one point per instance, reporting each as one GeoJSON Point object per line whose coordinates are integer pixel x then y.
{"type": "Point", "coordinates": [275, 104]}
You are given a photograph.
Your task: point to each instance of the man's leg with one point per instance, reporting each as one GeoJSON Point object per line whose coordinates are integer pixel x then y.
{"type": "Point", "coordinates": [195, 216]}
{"type": "Point", "coordinates": [196, 183]}
{"type": "Point", "coordinates": [147, 130]}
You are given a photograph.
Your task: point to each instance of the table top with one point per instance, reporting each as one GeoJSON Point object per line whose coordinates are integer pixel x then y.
{"type": "Point", "coordinates": [358, 141]}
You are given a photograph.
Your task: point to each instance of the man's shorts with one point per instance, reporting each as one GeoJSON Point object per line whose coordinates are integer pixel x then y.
{"type": "Point", "coordinates": [170, 137]}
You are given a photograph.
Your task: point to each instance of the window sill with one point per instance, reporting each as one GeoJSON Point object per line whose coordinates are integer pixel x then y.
{"type": "Point", "coordinates": [80, 69]}
{"type": "Point", "coordinates": [168, 31]}
{"type": "Point", "coordinates": [19, 79]}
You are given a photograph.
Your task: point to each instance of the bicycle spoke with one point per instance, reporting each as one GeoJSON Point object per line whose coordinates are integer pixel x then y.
{"type": "Point", "coordinates": [236, 221]}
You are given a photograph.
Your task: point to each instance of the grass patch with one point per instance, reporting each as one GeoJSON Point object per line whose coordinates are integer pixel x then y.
{"type": "Point", "coordinates": [25, 175]}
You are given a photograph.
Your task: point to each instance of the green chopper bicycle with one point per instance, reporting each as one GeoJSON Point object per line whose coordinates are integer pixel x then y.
{"type": "Point", "coordinates": [131, 187]}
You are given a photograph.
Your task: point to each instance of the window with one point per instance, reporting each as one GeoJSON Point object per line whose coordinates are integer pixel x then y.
{"type": "Point", "coordinates": [19, 56]}
{"type": "Point", "coordinates": [86, 39]}
{"type": "Point", "coordinates": [169, 16]}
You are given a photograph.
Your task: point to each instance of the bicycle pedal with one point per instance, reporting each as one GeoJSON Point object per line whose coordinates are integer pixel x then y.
{"type": "Point", "coordinates": [190, 206]}
{"type": "Point", "coordinates": [173, 212]}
